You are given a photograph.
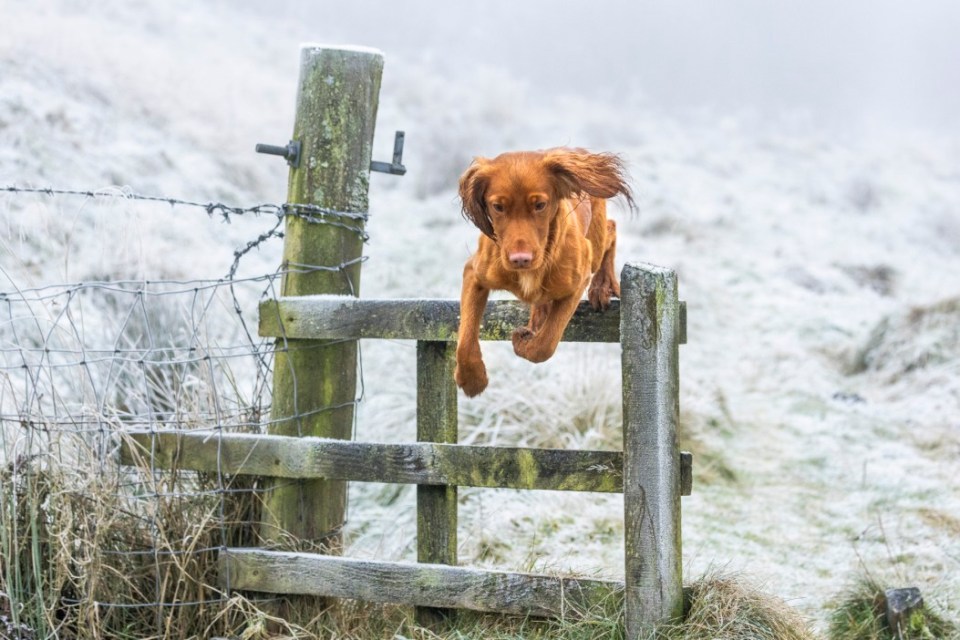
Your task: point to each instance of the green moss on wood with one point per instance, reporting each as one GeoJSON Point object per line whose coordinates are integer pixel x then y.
{"type": "Point", "coordinates": [315, 381]}
{"type": "Point", "coordinates": [420, 585]}
{"type": "Point", "coordinates": [428, 320]}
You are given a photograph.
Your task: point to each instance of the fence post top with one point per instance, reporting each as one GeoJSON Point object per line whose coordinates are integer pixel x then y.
{"type": "Point", "coordinates": [631, 269]}
{"type": "Point", "coordinates": [314, 48]}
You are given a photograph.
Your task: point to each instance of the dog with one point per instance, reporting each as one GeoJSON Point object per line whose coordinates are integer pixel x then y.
{"type": "Point", "coordinates": [544, 237]}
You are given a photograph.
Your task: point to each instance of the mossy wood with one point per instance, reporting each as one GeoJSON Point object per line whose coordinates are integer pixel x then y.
{"type": "Point", "coordinates": [344, 318]}
{"type": "Point", "coordinates": [436, 422]}
{"type": "Point", "coordinates": [649, 333]}
{"type": "Point", "coordinates": [413, 584]}
{"type": "Point", "coordinates": [421, 463]}
{"type": "Point", "coordinates": [314, 383]}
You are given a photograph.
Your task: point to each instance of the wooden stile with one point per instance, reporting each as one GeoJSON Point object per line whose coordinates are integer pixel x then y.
{"type": "Point", "coordinates": [307, 456]}
{"type": "Point", "coordinates": [651, 471]}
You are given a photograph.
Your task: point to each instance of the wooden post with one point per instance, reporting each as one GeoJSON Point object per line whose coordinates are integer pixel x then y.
{"type": "Point", "coordinates": [649, 334]}
{"type": "Point", "coordinates": [436, 422]}
{"type": "Point", "coordinates": [314, 383]}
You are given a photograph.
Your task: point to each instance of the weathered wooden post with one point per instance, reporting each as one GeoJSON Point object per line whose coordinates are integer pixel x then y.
{"type": "Point", "coordinates": [314, 383]}
{"type": "Point", "coordinates": [649, 333]}
{"type": "Point", "coordinates": [436, 422]}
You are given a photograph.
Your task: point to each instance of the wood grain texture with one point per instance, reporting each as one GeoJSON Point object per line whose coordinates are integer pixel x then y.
{"type": "Point", "coordinates": [314, 382]}
{"type": "Point", "coordinates": [336, 318]}
{"type": "Point", "coordinates": [412, 584]}
{"type": "Point", "coordinates": [434, 320]}
{"type": "Point", "coordinates": [436, 422]}
{"type": "Point", "coordinates": [420, 463]}
{"type": "Point", "coordinates": [650, 331]}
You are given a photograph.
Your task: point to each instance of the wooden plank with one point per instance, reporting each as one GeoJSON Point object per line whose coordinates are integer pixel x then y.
{"type": "Point", "coordinates": [338, 318]}
{"type": "Point", "coordinates": [436, 422]}
{"type": "Point", "coordinates": [412, 584]}
{"type": "Point", "coordinates": [425, 464]}
{"type": "Point", "coordinates": [435, 320]}
{"type": "Point", "coordinates": [650, 331]}
{"type": "Point", "coordinates": [421, 463]}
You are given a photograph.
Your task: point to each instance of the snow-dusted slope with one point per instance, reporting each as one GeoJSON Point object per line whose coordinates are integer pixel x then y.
{"type": "Point", "coordinates": [821, 274]}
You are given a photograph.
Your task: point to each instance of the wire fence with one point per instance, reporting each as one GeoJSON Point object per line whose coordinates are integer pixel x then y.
{"type": "Point", "coordinates": [90, 548]}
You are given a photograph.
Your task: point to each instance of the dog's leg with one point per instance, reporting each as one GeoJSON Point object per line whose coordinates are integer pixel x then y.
{"type": "Point", "coordinates": [471, 374]}
{"type": "Point", "coordinates": [605, 284]}
{"type": "Point", "coordinates": [538, 315]}
{"type": "Point", "coordinates": [540, 345]}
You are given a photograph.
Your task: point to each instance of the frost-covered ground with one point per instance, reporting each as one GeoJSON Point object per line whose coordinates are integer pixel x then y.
{"type": "Point", "coordinates": [820, 271]}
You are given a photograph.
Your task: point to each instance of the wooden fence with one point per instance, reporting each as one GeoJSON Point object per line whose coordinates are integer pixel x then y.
{"type": "Point", "coordinates": [309, 435]}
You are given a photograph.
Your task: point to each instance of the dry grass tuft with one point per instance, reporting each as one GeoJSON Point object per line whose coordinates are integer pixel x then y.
{"type": "Point", "coordinates": [93, 551]}
{"type": "Point", "coordinates": [728, 608]}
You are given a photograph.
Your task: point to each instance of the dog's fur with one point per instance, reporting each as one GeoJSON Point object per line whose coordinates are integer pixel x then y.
{"type": "Point", "coordinates": [545, 233]}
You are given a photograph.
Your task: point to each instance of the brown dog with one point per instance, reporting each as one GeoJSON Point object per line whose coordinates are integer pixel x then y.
{"type": "Point", "coordinates": [543, 215]}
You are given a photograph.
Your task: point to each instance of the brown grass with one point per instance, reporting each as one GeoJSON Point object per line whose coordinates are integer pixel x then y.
{"type": "Point", "coordinates": [729, 607]}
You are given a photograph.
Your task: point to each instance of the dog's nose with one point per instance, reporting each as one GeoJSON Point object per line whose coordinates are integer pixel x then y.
{"type": "Point", "coordinates": [521, 259]}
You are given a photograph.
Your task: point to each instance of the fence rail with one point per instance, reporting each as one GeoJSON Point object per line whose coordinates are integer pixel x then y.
{"type": "Point", "coordinates": [333, 317]}
{"type": "Point", "coordinates": [426, 585]}
{"type": "Point", "coordinates": [421, 463]}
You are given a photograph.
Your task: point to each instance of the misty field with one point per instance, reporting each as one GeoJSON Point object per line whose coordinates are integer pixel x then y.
{"type": "Point", "coordinates": [819, 388]}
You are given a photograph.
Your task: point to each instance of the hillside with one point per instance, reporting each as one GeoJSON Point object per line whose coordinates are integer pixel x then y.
{"type": "Point", "coordinates": [820, 386]}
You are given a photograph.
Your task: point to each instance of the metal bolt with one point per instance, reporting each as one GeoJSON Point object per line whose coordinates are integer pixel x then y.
{"type": "Point", "coordinates": [291, 152]}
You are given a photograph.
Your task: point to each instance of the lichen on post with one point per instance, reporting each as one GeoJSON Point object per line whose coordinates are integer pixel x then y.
{"type": "Point", "coordinates": [436, 422]}
{"type": "Point", "coordinates": [649, 335]}
{"type": "Point", "coordinates": [314, 385]}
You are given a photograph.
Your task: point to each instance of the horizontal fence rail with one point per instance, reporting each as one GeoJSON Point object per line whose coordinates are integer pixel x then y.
{"type": "Point", "coordinates": [336, 318]}
{"type": "Point", "coordinates": [420, 463]}
{"type": "Point", "coordinates": [419, 584]}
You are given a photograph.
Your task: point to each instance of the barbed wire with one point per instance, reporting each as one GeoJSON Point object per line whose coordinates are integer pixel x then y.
{"type": "Point", "coordinates": [310, 212]}
{"type": "Point", "coordinates": [83, 362]}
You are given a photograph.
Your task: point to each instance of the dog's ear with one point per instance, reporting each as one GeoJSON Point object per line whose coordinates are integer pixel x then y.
{"type": "Point", "coordinates": [601, 175]}
{"type": "Point", "coordinates": [473, 188]}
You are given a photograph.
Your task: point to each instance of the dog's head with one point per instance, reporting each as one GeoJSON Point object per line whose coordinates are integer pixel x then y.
{"type": "Point", "coordinates": [515, 197]}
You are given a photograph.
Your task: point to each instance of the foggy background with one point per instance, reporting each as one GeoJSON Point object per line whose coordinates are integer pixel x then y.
{"type": "Point", "coordinates": [796, 163]}
{"type": "Point", "coordinates": [864, 64]}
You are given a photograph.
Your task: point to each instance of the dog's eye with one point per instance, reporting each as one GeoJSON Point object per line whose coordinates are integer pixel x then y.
{"type": "Point", "coordinates": [497, 207]}
{"type": "Point", "coordinates": [540, 206]}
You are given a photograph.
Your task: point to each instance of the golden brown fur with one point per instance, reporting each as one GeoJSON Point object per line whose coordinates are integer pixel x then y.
{"type": "Point", "coordinates": [545, 238]}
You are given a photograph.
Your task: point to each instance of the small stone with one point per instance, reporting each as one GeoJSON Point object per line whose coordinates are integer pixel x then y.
{"type": "Point", "coordinates": [900, 604]}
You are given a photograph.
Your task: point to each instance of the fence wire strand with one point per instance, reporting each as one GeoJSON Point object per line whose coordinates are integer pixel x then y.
{"type": "Point", "coordinates": [83, 538]}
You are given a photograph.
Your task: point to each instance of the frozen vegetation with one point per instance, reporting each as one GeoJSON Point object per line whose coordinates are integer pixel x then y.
{"type": "Point", "coordinates": [820, 388]}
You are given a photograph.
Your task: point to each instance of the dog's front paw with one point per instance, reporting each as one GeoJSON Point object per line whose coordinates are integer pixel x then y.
{"type": "Point", "coordinates": [601, 291]}
{"type": "Point", "coordinates": [471, 377]}
{"type": "Point", "coordinates": [521, 340]}
{"type": "Point", "coordinates": [527, 345]}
